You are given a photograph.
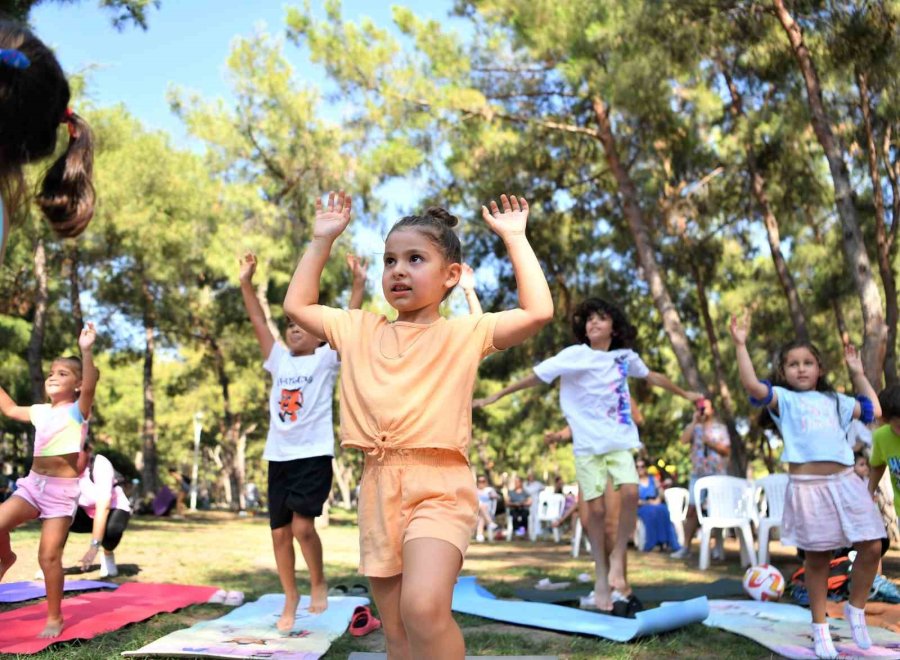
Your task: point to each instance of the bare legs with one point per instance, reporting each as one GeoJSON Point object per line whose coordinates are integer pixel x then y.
{"type": "Point", "coordinates": [13, 512]}
{"type": "Point", "coordinates": [53, 539]}
{"type": "Point", "coordinates": [628, 499]}
{"type": "Point", "coordinates": [303, 529]}
{"type": "Point", "coordinates": [415, 605]}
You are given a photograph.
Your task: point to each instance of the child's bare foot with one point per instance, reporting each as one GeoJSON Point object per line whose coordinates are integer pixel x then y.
{"type": "Point", "coordinates": [6, 563]}
{"type": "Point", "coordinates": [602, 595]}
{"type": "Point", "coordinates": [617, 578]}
{"type": "Point", "coordinates": [318, 598]}
{"type": "Point", "coordinates": [286, 620]}
{"type": "Point", "coordinates": [52, 629]}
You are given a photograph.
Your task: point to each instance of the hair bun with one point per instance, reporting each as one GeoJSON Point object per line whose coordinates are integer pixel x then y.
{"type": "Point", "coordinates": [443, 215]}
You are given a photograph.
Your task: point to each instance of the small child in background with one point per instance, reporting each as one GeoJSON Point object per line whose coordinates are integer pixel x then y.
{"type": "Point", "coordinates": [861, 466]}
{"type": "Point", "coordinates": [886, 449]}
{"type": "Point", "coordinates": [34, 99]}
{"type": "Point", "coordinates": [51, 490]}
{"type": "Point", "coordinates": [826, 505]}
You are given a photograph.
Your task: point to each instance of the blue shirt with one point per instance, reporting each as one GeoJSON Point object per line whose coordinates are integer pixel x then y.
{"type": "Point", "coordinates": [814, 425]}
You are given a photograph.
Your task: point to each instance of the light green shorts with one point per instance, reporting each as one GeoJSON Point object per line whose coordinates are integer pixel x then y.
{"type": "Point", "coordinates": [595, 470]}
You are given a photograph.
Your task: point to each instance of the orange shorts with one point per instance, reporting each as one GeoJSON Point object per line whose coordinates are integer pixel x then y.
{"type": "Point", "coordinates": [413, 494]}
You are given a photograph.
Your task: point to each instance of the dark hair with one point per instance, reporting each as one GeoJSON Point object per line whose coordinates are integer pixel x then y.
{"type": "Point", "coordinates": [822, 384]}
{"type": "Point", "coordinates": [889, 399]}
{"type": "Point", "coordinates": [33, 103]}
{"type": "Point", "coordinates": [437, 223]}
{"type": "Point", "coordinates": [623, 333]}
{"type": "Point", "coordinates": [858, 455]}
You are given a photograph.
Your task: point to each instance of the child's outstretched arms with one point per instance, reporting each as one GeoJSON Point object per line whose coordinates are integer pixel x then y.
{"type": "Point", "coordinates": [10, 409]}
{"type": "Point", "coordinates": [657, 379]}
{"type": "Point", "coordinates": [264, 336]}
{"type": "Point", "coordinates": [563, 435]}
{"type": "Point", "coordinates": [467, 283]}
{"type": "Point", "coordinates": [861, 384]}
{"type": "Point", "coordinates": [89, 373]}
{"type": "Point", "coordinates": [525, 383]}
{"type": "Point", "coordinates": [301, 300]}
{"type": "Point", "coordinates": [740, 331]}
{"type": "Point", "coordinates": [535, 303]}
{"type": "Point", "coordinates": [359, 268]}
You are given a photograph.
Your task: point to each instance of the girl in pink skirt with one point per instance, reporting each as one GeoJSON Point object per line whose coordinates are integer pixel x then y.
{"type": "Point", "coordinates": [826, 506]}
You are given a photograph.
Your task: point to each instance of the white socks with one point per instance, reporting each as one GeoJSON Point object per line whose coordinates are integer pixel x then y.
{"type": "Point", "coordinates": [857, 620]}
{"type": "Point", "coordinates": [822, 638]}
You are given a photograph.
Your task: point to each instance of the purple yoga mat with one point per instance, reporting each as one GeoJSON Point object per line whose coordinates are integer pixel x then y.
{"type": "Point", "coordinates": [16, 592]}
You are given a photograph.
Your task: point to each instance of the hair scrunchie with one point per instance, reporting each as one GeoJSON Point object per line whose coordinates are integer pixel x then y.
{"type": "Point", "coordinates": [766, 400]}
{"type": "Point", "coordinates": [866, 409]}
{"type": "Point", "coordinates": [14, 59]}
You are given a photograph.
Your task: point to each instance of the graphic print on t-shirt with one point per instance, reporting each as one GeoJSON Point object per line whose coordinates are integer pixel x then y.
{"type": "Point", "coordinates": [622, 412]}
{"type": "Point", "coordinates": [893, 464]}
{"type": "Point", "coordinates": [291, 402]}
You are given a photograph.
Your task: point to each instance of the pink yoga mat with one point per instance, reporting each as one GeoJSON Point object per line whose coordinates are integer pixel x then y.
{"type": "Point", "coordinates": [92, 614]}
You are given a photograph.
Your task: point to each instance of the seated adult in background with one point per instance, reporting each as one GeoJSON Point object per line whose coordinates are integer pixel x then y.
{"type": "Point", "coordinates": [710, 449]}
{"type": "Point", "coordinates": [658, 528]}
{"type": "Point", "coordinates": [519, 507]}
{"type": "Point", "coordinates": [486, 494]}
{"type": "Point", "coordinates": [571, 506]}
{"type": "Point", "coordinates": [103, 510]}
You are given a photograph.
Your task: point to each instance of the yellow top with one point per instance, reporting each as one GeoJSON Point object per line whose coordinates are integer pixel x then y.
{"type": "Point", "coordinates": [407, 385]}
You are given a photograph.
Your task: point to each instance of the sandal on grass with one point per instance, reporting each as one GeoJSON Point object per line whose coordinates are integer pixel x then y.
{"type": "Point", "coordinates": [363, 622]}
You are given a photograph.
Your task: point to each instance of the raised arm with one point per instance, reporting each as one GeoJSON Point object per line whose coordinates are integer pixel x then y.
{"type": "Point", "coordinates": [535, 303]}
{"type": "Point", "coordinates": [740, 330]}
{"type": "Point", "coordinates": [301, 300]}
{"type": "Point", "coordinates": [861, 384]}
{"type": "Point", "coordinates": [359, 268]}
{"type": "Point", "coordinates": [89, 373]}
{"type": "Point", "coordinates": [10, 409]}
{"type": "Point", "coordinates": [525, 383]}
{"type": "Point", "coordinates": [657, 379]}
{"type": "Point", "coordinates": [467, 282]}
{"type": "Point", "coordinates": [688, 432]}
{"type": "Point", "coordinates": [255, 312]}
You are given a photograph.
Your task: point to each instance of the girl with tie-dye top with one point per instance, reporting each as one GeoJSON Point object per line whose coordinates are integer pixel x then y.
{"type": "Point", "coordinates": [50, 491]}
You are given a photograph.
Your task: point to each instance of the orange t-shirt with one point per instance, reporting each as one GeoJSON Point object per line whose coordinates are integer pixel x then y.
{"type": "Point", "coordinates": [407, 385]}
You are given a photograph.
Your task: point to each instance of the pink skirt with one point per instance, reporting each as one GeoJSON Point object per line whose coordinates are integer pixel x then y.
{"type": "Point", "coordinates": [827, 512]}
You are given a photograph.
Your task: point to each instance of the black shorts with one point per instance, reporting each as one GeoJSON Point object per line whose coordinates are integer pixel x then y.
{"type": "Point", "coordinates": [299, 486]}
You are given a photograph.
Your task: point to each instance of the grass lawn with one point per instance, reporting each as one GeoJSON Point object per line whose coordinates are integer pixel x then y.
{"type": "Point", "coordinates": [235, 553]}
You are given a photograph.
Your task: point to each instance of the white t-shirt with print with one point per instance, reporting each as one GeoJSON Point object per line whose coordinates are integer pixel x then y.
{"type": "Point", "coordinates": [594, 396]}
{"type": "Point", "coordinates": [300, 417]}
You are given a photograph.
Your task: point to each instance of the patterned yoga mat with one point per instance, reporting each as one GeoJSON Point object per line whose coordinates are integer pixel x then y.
{"type": "Point", "coordinates": [249, 632]}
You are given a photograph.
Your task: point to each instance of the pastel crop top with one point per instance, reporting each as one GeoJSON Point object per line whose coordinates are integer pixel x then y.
{"type": "Point", "coordinates": [814, 426]}
{"type": "Point", "coordinates": [58, 430]}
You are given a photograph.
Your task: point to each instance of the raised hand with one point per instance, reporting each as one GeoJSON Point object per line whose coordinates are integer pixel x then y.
{"type": "Point", "coordinates": [511, 221]}
{"type": "Point", "coordinates": [358, 267]}
{"type": "Point", "coordinates": [333, 217]}
{"type": "Point", "coordinates": [248, 267]}
{"type": "Point", "coordinates": [467, 278]}
{"type": "Point", "coordinates": [853, 359]}
{"type": "Point", "coordinates": [740, 328]}
{"type": "Point", "coordinates": [87, 337]}
{"type": "Point", "coordinates": [481, 403]}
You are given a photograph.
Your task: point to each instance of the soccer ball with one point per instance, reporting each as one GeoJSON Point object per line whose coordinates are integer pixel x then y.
{"type": "Point", "coordinates": [764, 582]}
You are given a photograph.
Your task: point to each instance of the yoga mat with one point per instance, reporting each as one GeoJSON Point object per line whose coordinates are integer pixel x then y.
{"type": "Point", "coordinates": [16, 592]}
{"type": "Point", "coordinates": [470, 598]}
{"type": "Point", "coordinates": [721, 588]}
{"type": "Point", "coordinates": [785, 629]}
{"type": "Point", "coordinates": [91, 614]}
{"type": "Point", "coordinates": [249, 632]}
{"type": "Point", "coordinates": [884, 615]}
{"type": "Point", "coordinates": [359, 655]}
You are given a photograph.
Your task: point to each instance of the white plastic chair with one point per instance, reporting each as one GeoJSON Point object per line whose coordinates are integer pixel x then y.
{"type": "Point", "coordinates": [728, 502]}
{"type": "Point", "coordinates": [773, 489]}
{"type": "Point", "coordinates": [550, 507]}
{"type": "Point", "coordinates": [677, 502]}
{"type": "Point", "coordinates": [578, 536]}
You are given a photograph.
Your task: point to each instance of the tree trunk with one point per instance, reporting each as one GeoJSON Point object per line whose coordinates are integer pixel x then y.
{"type": "Point", "coordinates": [342, 477]}
{"type": "Point", "coordinates": [75, 289]}
{"type": "Point", "coordinates": [261, 288]}
{"type": "Point", "coordinates": [738, 450]}
{"type": "Point", "coordinates": [853, 243]}
{"type": "Point", "coordinates": [150, 470]}
{"type": "Point", "coordinates": [883, 239]}
{"type": "Point", "coordinates": [640, 233]}
{"type": "Point", "coordinates": [38, 324]}
{"type": "Point", "coordinates": [758, 186]}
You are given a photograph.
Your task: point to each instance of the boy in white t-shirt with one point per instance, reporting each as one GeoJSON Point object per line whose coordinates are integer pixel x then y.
{"type": "Point", "coordinates": [596, 402]}
{"type": "Point", "coordinates": [300, 442]}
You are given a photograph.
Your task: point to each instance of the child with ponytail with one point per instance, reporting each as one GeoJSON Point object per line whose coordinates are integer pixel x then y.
{"type": "Point", "coordinates": [34, 101]}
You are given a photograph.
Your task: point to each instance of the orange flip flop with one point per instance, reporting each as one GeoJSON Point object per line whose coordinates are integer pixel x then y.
{"type": "Point", "coordinates": [362, 622]}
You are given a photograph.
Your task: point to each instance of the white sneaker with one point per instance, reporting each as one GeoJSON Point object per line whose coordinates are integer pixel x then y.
{"type": "Point", "coordinates": [108, 566]}
{"type": "Point", "coordinates": [480, 538]}
{"type": "Point", "coordinates": [39, 574]}
{"type": "Point", "coordinates": [684, 553]}
{"type": "Point", "coordinates": [492, 526]}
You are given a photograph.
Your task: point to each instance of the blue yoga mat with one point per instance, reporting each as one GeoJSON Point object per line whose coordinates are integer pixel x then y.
{"type": "Point", "coordinates": [16, 592]}
{"type": "Point", "coordinates": [470, 598]}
